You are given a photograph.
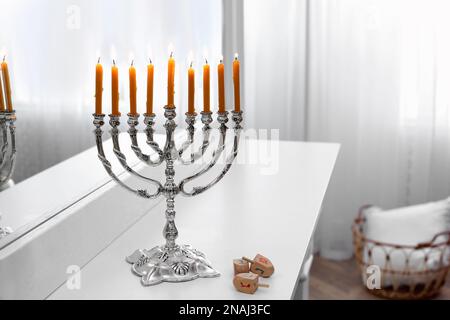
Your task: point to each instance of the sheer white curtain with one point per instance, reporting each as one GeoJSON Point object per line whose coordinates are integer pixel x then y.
{"type": "Point", "coordinates": [274, 69]}
{"type": "Point", "coordinates": [377, 81]}
{"type": "Point", "coordinates": [53, 46]}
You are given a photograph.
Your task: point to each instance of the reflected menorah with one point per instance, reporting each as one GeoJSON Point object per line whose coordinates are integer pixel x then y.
{"type": "Point", "coordinates": [170, 262]}
{"type": "Point", "coordinates": [7, 155]}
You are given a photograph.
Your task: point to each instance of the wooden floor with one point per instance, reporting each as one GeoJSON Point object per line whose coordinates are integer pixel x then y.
{"type": "Point", "coordinates": [341, 280]}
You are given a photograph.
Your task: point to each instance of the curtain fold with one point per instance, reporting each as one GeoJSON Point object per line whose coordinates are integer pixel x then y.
{"type": "Point", "coordinates": [275, 70]}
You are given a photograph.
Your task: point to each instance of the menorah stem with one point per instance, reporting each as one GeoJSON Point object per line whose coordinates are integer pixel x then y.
{"type": "Point", "coordinates": [170, 188]}
{"type": "Point", "coordinates": [170, 230]}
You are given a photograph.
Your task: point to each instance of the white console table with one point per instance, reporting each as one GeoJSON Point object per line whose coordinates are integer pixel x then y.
{"type": "Point", "coordinates": [245, 214]}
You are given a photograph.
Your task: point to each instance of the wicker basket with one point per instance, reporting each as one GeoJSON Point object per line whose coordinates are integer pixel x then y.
{"type": "Point", "coordinates": [408, 283]}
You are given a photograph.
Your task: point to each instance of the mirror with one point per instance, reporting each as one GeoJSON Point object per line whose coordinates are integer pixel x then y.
{"type": "Point", "coordinates": [52, 49]}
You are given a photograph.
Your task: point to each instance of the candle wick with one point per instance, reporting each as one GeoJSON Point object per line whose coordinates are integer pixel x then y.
{"type": "Point", "coordinates": [98, 60]}
{"type": "Point", "coordinates": [150, 60]}
{"type": "Point", "coordinates": [114, 62]}
{"type": "Point", "coordinates": [191, 64]}
{"type": "Point", "coordinates": [4, 58]}
{"type": "Point", "coordinates": [132, 62]}
{"type": "Point", "coordinates": [171, 54]}
{"type": "Point", "coordinates": [206, 61]}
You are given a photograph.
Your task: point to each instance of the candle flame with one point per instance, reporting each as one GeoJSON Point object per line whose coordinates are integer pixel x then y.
{"type": "Point", "coordinates": [98, 53]}
{"type": "Point", "coordinates": [205, 53]}
{"type": "Point", "coordinates": [170, 50]}
{"type": "Point", "coordinates": [149, 52]}
{"type": "Point", "coordinates": [131, 58]}
{"type": "Point", "coordinates": [191, 58]}
{"type": "Point", "coordinates": [113, 53]}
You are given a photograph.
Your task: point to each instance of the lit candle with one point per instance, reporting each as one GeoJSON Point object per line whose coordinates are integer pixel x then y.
{"type": "Point", "coordinates": [221, 77]}
{"type": "Point", "coordinates": [7, 85]}
{"type": "Point", "coordinates": [191, 96]}
{"type": "Point", "coordinates": [133, 89]}
{"type": "Point", "coordinates": [115, 89]}
{"type": "Point", "coordinates": [98, 87]}
{"type": "Point", "coordinates": [236, 81]}
{"type": "Point", "coordinates": [206, 88]}
{"type": "Point", "coordinates": [150, 77]}
{"type": "Point", "coordinates": [171, 82]}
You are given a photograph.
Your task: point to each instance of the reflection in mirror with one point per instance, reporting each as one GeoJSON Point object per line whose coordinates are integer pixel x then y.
{"type": "Point", "coordinates": [52, 49]}
{"type": "Point", "coordinates": [8, 137]}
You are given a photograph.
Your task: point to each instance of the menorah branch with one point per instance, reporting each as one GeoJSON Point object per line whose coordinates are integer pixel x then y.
{"type": "Point", "coordinates": [206, 118]}
{"type": "Point", "coordinates": [7, 164]}
{"type": "Point", "coordinates": [190, 120]}
{"type": "Point", "coordinates": [98, 123]}
{"type": "Point", "coordinates": [133, 122]}
{"type": "Point", "coordinates": [223, 120]}
{"type": "Point", "coordinates": [4, 147]}
{"type": "Point", "coordinates": [115, 122]}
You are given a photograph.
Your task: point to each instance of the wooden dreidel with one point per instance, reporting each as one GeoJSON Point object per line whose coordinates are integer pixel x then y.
{"type": "Point", "coordinates": [247, 283]}
{"type": "Point", "coordinates": [261, 266]}
{"type": "Point", "coordinates": [240, 266]}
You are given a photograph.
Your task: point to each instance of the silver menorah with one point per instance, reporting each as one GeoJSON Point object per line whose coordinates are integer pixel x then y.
{"type": "Point", "coordinates": [7, 155]}
{"type": "Point", "coordinates": [171, 262]}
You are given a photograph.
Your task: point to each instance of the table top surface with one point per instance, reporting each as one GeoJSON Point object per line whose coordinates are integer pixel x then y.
{"type": "Point", "coordinates": [269, 205]}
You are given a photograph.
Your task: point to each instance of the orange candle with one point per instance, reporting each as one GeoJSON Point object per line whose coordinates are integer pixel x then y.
{"type": "Point", "coordinates": [171, 82]}
{"type": "Point", "coordinates": [98, 87]}
{"type": "Point", "coordinates": [7, 85]}
{"type": "Point", "coordinates": [237, 84]}
{"type": "Point", "coordinates": [2, 101]}
{"type": "Point", "coordinates": [206, 88]}
{"type": "Point", "coordinates": [191, 95]}
{"type": "Point", "coordinates": [221, 77]}
{"type": "Point", "coordinates": [115, 89]}
{"type": "Point", "coordinates": [150, 77]}
{"type": "Point", "coordinates": [133, 89]}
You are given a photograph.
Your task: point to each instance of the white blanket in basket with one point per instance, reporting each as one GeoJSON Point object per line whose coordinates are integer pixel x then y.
{"type": "Point", "coordinates": [408, 226]}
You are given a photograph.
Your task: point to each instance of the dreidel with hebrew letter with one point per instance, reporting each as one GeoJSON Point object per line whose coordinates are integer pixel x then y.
{"type": "Point", "coordinates": [240, 266]}
{"type": "Point", "coordinates": [261, 266]}
{"type": "Point", "coordinates": [248, 283]}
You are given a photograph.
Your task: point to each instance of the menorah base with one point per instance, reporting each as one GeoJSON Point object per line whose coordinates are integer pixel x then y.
{"type": "Point", "coordinates": [5, 231]}
{"type": "Point", "coordinates": [8, 184]}
{"type": "Point", "coordinates": [163, 264]}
